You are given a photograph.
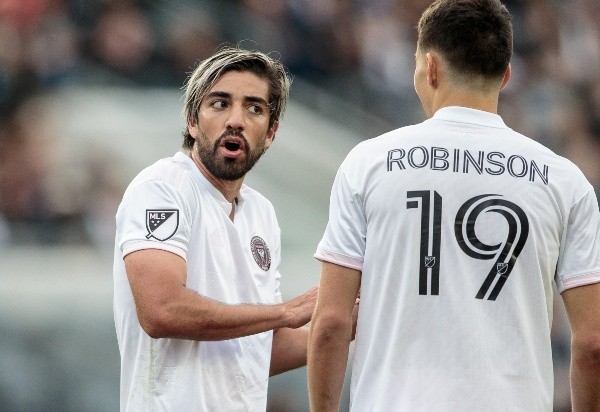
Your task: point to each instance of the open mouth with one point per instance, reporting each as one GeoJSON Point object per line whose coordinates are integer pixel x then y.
{"type": "Point", "coordinates": [232, 146]}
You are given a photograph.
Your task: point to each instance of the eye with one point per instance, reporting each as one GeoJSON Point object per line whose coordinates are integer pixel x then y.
{"type": "Point", "coordinates": [218, 104]}
{"type": "Point", "coordinates": [256, 109]}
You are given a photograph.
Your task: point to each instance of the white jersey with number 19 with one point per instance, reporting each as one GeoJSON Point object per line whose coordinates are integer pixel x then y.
{"type": "Point", "coordinates": [460, 227]}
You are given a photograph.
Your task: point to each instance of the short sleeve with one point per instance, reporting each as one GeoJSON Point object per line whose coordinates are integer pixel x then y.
{"type": "Point", "coordinates": [344, 240]}
{"type": "Point", "coordinates": [153, 215]}
{"type": "Point", "coordinates": [579, 261]}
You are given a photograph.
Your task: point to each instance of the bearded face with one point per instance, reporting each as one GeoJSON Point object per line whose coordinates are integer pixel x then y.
{"type": "Point", "coordinates": [219, 164]}
{"type": "Point", "coordinates": [233, 127]}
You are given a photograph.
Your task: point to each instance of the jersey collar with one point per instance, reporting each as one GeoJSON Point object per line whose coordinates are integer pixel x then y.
{"type": "Point", "coordinates": [216, 194]}
{"type": "Point", "coordinates": [470, 116]}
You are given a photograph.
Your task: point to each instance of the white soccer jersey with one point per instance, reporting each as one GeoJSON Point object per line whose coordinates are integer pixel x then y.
{"type": "Point", "coordinates": [171, 206]}
{"type": "Point", "coordinates": [460, 226]}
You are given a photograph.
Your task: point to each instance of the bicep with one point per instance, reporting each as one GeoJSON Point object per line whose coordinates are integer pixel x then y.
{"type": "Point", "coordinates": [338, 289]}
{"type": "Point", "coordinates": [582, 305]}
{"type": "Point", "coordinates": [155, 277]}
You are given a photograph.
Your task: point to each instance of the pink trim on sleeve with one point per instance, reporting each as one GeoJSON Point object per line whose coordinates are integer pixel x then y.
{"type": "Point", "coordinates": [580, 280]}
{"type": "Point", "coordinates": [135, 246]}
{"type": "Point", "coordinates": [339, 259]}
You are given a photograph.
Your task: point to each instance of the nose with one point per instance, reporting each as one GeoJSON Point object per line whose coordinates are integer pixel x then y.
{"type": "Point", "coordinates": [235, 118]}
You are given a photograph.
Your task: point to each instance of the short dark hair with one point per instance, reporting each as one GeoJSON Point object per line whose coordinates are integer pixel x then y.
{"type": "Point", "coordinates": [209, 71]}
{"type": "Point", "coordinates": [474, 37]}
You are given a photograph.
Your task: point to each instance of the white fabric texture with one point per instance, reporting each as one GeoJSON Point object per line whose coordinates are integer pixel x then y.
{"type": "Point", "coordinates": [460, 226]}
{"type": "Point", "coordinates": [171, 206]}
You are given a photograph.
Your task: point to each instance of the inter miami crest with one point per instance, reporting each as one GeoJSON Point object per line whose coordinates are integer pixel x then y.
{"type": "Point", "coordinates": [161, 223]}
{"type": "Point", "coordinates": [260, 251]}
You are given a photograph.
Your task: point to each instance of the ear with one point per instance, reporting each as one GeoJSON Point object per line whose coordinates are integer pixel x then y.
{"type": "Point", "coordinates": [432, 70]}
{"type": "Point", "coordinates": [506, 77]}
{"type": "Point", "coordinates": [271, 134]}
{"type": "Point", "coordinates": [192, 127]}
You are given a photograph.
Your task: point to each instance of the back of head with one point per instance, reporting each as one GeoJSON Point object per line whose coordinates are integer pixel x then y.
{"type": "Point", "coordinates": [474, 37]}
{"type": "Point", "coordinates": [209, 71]}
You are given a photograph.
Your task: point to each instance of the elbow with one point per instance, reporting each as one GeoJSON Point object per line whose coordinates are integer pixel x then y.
{"type": "Point", "coordinates": [155, 323]}
{"type": "Point", "coordinates": [331, 327]}
{"type": "Point", "coordinates": [586, 352]}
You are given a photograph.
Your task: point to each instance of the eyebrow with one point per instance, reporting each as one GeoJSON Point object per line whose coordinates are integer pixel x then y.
{"type": "Point", "coordinates": [249, 99]}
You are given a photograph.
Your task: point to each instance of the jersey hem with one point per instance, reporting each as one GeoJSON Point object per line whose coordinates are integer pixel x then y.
{"type": "Point", "coordinates": [580, 280]}
{"type": "Point", "coordinates": [338, 259]}
{"type": "Point", "coordinates": [136, 246]}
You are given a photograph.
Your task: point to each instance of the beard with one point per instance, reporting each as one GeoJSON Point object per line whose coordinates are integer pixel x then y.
{"type": "Point", "coordinates": [226, 168]}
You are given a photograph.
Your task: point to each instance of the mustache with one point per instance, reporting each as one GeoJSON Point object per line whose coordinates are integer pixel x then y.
{"type": "Point", "coordinates": [235, 133]}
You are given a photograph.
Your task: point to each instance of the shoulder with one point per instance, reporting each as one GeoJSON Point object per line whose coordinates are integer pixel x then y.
{"type": "Point", "coordinates": [563, 169]}
{"type": "Point", "coordinates": [172, 171]}
{"type": "Point", "coordinates": [368, 153]}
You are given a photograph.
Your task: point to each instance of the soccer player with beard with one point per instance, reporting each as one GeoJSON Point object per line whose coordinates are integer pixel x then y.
{"type": "Point", "coordinates": [198, 311]}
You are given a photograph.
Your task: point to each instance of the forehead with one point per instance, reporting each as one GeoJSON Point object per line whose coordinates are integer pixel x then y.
{"type": "Point", "coordinates": [242, 84]}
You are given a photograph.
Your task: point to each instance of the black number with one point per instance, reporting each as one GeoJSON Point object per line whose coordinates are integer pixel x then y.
{"type": "Point", "coordinates": [518, 230]}
{"type": "Point", "coordinates": [429, 260]}
{"type": "Point", "coordinates": [505, 253]}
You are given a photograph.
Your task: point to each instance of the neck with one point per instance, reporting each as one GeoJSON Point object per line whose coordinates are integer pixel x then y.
{"type": "Point", "coordinates": [487, 102]}
{"type": "Point", "coordinates": [230, 189]}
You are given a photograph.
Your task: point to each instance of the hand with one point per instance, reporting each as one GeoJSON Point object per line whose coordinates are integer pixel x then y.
{"type": "Point", "coordinates": [300, 309]}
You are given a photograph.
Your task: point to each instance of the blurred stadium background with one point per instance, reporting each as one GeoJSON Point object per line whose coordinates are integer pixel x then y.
{"type": "Point", "coordinates": [90, 92]}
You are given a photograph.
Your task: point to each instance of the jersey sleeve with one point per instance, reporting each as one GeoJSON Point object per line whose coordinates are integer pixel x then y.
{"type": "Point", "coordinates": [344, 240]}
{"type": "Point", "coordinates": [153, 215]}
{"type": "Point", "coordinates": [579, 262]}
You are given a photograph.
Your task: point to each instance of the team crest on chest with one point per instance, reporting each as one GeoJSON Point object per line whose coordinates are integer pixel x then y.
{"type": "Point", "coordinates": [260, 252]}
{"type": "Point", "coordinates": [161, 223]}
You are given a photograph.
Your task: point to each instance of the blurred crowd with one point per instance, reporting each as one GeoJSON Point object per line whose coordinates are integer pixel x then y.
{"type": "Point", "coordinates": [361, 51]}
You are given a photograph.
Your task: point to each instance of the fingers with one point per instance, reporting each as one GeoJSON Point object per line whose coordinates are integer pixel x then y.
{"type": "Point", "coordinates": [304, 306]}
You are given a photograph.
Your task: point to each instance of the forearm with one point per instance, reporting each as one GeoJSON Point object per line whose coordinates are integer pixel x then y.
{"type": "Point", "coordinates": [585, 378]}
{"type": "Point", "coordinates": [167, 309]}
{"type": "Point", "coordinates": [327, 357]}
{"type": "Point", "coordinates": [190, 316]}
{"type": "Point", "coordinates": [289, 350]}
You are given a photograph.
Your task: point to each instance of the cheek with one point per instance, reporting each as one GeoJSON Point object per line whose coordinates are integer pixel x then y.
{"type": "Point", "coordinates": [208, 125]}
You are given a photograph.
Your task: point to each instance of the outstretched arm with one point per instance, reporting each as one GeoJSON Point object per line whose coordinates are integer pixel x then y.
{"type": "Point", "coordinates": [166, 308]}
{"type": "Point", "coordinates": [331, 331]}
{"type": "Point", "coordinates": [289, 350]}
{"type": "Point", "coordinates": [583, 310]}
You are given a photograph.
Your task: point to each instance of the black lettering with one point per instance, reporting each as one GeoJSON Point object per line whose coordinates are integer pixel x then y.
{"type": "Point", "coordinates": [468, 158]}
{"type": "Point", "coordinates": [395, 157]}
{"type": "Point", "coordinates": [501, 169]}
{"type": "Point", "coordinates": [438, 158]}
{"type": "Point", "coordinates": [411, 157]}
{"type": "Point", "coordinates": [511, 168]}
{"type": "Point", "coordinates": [535, 169]}
{"type": "Point", "coordinates": [455, 166]}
